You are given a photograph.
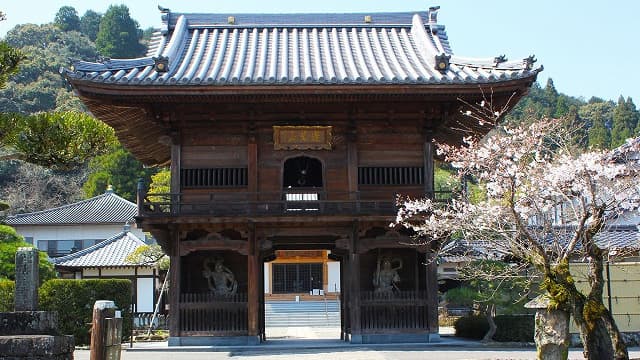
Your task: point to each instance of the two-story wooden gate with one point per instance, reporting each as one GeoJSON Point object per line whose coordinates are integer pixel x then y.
{"type": "Point", "coordinates": [295, 132]}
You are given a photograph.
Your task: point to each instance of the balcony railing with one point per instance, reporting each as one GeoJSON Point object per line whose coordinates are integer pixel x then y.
{"type": "Point", "coordinates": [289, 203]}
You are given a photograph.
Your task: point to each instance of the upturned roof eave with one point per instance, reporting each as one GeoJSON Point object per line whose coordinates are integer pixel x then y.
{"type": "Point", "coordinates": [87, 88]}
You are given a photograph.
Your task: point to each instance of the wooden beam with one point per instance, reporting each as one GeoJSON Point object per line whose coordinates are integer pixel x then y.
{"type": "Point", "coordinates": [220, 243]}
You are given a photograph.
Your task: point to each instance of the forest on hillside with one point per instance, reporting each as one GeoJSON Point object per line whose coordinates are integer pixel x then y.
{"type": "Point", "coordinates": [37, 88]}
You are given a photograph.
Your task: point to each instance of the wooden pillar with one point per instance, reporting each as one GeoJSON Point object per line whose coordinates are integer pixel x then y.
{"type": "Point", "coordinates": [176, 186]}
{"type": "Point", "coordinates": [432, 293]}
{"type": "Point", "coordinates": [354, 287]}
{"type": "Point", "coordinates": [252, 164]}
{"type": "Point", "coordinates": [344, 296]}
{"type": "Point", "coordinates": [102, 309]}
{"type": "Point", "coordinates": [352, 160]}
{"type": "Point", "coordinates": [253, 285]}
{"type": "Point", "coordinates": [428, 165]}
{"type": "Point", "coordinates": [174, 289]}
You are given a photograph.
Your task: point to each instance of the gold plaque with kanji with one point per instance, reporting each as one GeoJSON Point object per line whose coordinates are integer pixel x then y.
{"type": "Point", "coordinates": [302, 137]}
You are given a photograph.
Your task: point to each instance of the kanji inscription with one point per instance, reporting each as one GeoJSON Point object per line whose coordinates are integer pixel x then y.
{"type": "Point", "coordinates": [302, 137]}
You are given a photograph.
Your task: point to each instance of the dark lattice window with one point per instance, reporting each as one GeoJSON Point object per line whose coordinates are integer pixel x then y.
{"type": "Point", "coordinates": [213, 177]}
{"type": "Point", "coordinates": [296, 278]}
{"type": "Point", "coordinates": [371, 175]}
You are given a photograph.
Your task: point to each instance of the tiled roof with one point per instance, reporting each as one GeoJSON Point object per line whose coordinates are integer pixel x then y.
{"type": "Point", "coordinates": [619, 237]}
{"type": "Point", "coordinates": [108, 253]}
{"type": "Point", "coordinates": [612, 238]}
{"type": "Point", "coordinates": [299, 49]}
{"type": "Point", "coordinates": [107, 208]}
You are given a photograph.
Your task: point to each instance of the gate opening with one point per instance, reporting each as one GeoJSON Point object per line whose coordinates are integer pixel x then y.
{"type": "Point", "coordinates": [302, 296]}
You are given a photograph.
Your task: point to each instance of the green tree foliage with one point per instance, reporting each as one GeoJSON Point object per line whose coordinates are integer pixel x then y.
{"type": "Point", "coordinates": [10, 241]}
{"type": "Point", "coordinates": [117, 168]}
{"type": "Point", "coordinates": [56, 140]}
{"type": "Point", "coordinates": [90, 24]}
{"type": "Point", "coordinates": [7, 295]}
{"type": "Point", "coordinates": [38, 86]}
{"type": "Point", "coordinates": [491, 288]}
{"type": "Point", "coordinates": [9, 60]}
{"type": "Point", "coordinates": [67, 19]}
{"type": "Point", "coordinates": [599, 116]}
{"type": "Point", "coordinates": [74, 300]}
{"type": "Point", "coordinates": [550, 97]}
{"type": "Point", "coordinates": [119, 35]}
{"type": "Point", "coordinates": [150, 255]}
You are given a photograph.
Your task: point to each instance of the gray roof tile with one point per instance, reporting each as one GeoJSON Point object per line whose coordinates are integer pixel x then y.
{"type": "Point", "coordinates": [299, 49]}
{"type": "Point", "coordinates": [111, 252]}
{"type": "Point", "coordinates": [107, 208]}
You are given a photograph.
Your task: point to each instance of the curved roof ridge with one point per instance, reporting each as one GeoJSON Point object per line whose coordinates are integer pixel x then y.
{"type": "Point", "coordinates": [120, 202]}
{"type": "Point", "coordinates": [115, 238]}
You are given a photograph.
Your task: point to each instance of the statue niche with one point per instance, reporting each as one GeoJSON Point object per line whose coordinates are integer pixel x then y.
{"type": "Point", "coordinates": [386, 278]}
{"type": "Point", "coordinates": [221, 280]}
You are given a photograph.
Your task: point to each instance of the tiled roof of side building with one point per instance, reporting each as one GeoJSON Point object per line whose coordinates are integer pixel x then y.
{"type": "Point", "coordinates": [107, 208]}
{"type": "Point", "coordinates": [301, 49]}
{"type": "Point", "coordinates": [111, 252]}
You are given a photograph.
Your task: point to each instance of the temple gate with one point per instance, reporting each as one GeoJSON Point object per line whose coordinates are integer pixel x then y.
{"type": "Point", "coordinates": [295, 132]}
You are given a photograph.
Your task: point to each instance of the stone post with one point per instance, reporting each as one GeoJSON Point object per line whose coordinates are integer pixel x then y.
{"type": "Point", "coordinates": [552, 330]}
{"type": "Point", "coordinates": [27, 279]}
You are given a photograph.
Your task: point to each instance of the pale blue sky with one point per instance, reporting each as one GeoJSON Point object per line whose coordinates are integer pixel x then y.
{"type": "Point", "coordinates": [588, 47]}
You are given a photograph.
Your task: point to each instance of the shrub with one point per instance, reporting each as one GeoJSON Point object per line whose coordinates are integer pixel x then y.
{"type": "Point", "coordinates": [516, 328]}
{"type": "Point", "coordinates": [7, 290]}
{"type": "Point", "coordinates": [471, 327]}
{"type": "Point", "coordinates": [519, 328]}
{"type": "Point", "coordinates": [74, 299]}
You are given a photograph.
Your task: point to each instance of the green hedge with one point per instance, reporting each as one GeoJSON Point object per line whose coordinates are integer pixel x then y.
{"type": "Point", "coordinates": [516, 328]}
{"type": "Point", "coordinates": [471, 327]}
{"type": "Point", "coordinates": [74, 299]}
{"type": "Point", "coordinates": [7, 289]}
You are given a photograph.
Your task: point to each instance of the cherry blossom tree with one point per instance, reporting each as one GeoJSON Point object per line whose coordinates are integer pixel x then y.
{"type": "Point", "coordinates": [545, 205]}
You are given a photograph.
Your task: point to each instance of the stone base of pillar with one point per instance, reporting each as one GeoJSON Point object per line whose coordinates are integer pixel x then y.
{"type": "Point", "coordinates": [213, 340]}
{"type": "Point", "coordinates": [417, 338]}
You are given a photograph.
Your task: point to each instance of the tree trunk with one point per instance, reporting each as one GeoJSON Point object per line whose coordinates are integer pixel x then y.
{"type": "Point", "coordinates": [619, 346]}
{"type": "Point", "coordinates": [490, 313]}
{"type": "Point", "coordinates": [596, 340]}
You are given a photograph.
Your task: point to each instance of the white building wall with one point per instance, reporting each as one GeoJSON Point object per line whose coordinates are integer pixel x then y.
{"type": "Point", "coordinates": [144, 295]}
{"type": "Point", "coordinates": [267, 278]}
{"type": "Point", "coordinates": [96, 232]}
{"type": "Point", "coordinates": [333, 283]}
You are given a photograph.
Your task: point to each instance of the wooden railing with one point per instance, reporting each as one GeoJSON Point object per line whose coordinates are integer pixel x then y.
{"type": "Point", "coordinates": [206, 314]}
{"type": "Point", "coordinates": [290, 203]}
{"type": "Point", "coordinates": [398, 312]}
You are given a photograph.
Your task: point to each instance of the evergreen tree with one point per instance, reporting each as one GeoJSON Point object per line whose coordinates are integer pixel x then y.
{"type": "Point", "coordinates": [562, 106]}
{"type": "Point", "coordinates": [119, 35]}
{"type": "Point", "coordinates": [578, 126]}
{"type": "Point", "coordinates": [67, 19]}
{"type": "Point", "coordinates": [624, 122]}
{"type": "Point", "coordinates": [550, 97]}
{"type": "Point", "coordinates": [90, 24]}
{"type": "Point", "coordinates": [599, 117]}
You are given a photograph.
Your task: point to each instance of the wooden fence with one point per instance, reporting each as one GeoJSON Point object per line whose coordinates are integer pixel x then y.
{"type": "Point", "coordinates": [206, 314]}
